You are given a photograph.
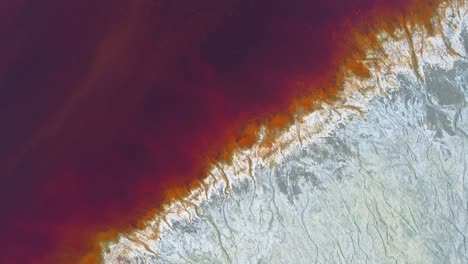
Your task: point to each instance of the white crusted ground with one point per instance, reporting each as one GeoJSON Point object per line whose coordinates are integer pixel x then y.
{"type": "Point", "coordinates": [379, 176]}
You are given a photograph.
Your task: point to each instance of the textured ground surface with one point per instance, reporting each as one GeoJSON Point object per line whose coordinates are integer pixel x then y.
{"type": "Point", "coordinates": [380, 177]}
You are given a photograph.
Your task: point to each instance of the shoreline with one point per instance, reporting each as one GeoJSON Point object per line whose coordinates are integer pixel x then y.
{"type": "Point", "coordinates": [353, 103]}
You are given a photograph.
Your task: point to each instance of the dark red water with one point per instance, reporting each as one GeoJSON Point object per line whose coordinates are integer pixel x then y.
{"type": "Point", "coordinates": [105, 105]}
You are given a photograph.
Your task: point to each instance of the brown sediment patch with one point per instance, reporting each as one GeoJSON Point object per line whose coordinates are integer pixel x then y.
{"type": "Point", "coordinates": [153, 98]}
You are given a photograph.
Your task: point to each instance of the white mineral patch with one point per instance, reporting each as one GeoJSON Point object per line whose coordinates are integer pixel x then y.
{"type": "Point", "coordinates": [379, 176]}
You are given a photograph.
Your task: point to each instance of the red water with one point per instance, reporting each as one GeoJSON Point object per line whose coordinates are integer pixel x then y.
{"type": "Point", "coordinates": [106, 105]}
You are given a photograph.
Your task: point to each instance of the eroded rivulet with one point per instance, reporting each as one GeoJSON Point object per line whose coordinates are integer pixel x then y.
{"type": "Point", "coordinates": [377, 176]}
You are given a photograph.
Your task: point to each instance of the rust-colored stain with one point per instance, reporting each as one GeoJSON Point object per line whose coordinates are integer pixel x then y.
{"type": "Point", "coordinates": [110, 108]}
